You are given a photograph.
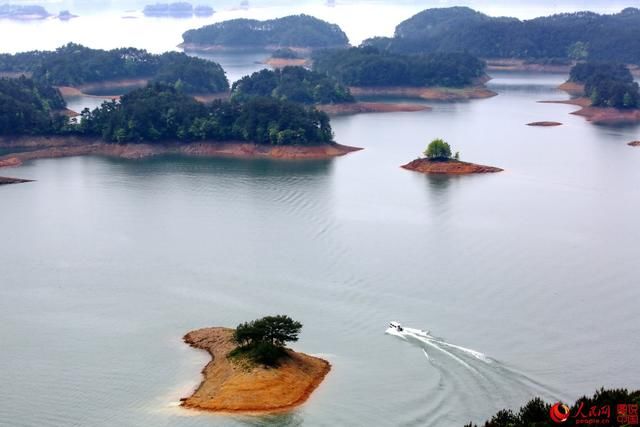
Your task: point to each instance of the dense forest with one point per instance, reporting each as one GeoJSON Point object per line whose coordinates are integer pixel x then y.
{"type": "Point", "coordinates": [369, 66]}
{"type": "Point", "coordinates": [29, 108]}
{"type": "Point", "coordinates": [607, 84]}
{"type": "Point", "coordinates": [295, 84]}
{"type": "Point", "coordinates": [537, 413]}
{"type": "Point", "coordinates": [73, 65]}
{"type": "Point", "coordinates": [290, 31]}
{"type": "Point", "coordinates": [580, 35]}
{"type": "Point", "coordinates": [159, 112]}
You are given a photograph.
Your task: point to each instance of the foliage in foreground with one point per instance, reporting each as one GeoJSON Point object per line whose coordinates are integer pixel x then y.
{"type": "Point", "coordinates": [294, 84]}
{"type": "Point", "coordinates": [536, 412]}
{"type": "Point", "coordinates": [263, 340]}
{"type": "Point", "coordinates": [369, 66]}
{"type": "Point", "coordinates": [607, 84]}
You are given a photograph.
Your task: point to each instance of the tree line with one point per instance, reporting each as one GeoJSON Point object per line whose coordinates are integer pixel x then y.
{"type": "Point", "coordinates": [576, 36]}
{"type": "Point", "coordinates": [607, 84]}
{"type": "Point", "coordinates": [295, 84]}
{"type": "Point", "coordinates": [370, 66]}
{"type": "Point", "coordinates": [74, 64]}
{"type": "Point", "coordinates": [160, 113]}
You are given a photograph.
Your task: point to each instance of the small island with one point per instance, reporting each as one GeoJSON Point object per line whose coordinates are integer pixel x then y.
{"type": "Point", "coordinates": [369, 71]}
{"type": "Point", "coordinates": [439, 160]}
{"type": "Point", "coordinates": [79, 70]}
{"type": "Point", "coordinates": [23, 13]}
{"type": "Point", "coordinates": [286, 57]}
{"type": "Point", "coordinates": [251, 371]}
{"type": "Point", "coordinates": [296, 32]}
{"type": "Point", "coordinates": [308, 87]}
{"type": "Point", "coordinates": [544, 124]}
{"type": "Point", "coordinates": [606, 93]}
{"type": "Point", "coordinates": [6, 181]}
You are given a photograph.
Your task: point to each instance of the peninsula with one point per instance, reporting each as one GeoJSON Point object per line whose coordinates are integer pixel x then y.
{"type": "Point", "coordinates": [254, 375]}
{"type": "Point", "coordinates": [606, 93]}
{"type": "Point", "coordinates": [438, 160]}
{"type": "Point", "coordinates": [300, 32]}
{"type": "Point", "coordinates": [369, 71]}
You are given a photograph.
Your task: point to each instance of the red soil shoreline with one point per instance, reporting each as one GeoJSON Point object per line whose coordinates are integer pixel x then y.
{"type": "Point", "coordinates": [448, 167]}
{"type": "Point", "coordinates": [229, 388]}
{"type": "Point", "coordinates": [428, 93]}
{"type": "Point", "coordinates": [600, 115]}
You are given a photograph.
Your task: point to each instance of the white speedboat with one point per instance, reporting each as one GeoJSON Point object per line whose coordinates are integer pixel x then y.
{"type": "Point", "coordinates": [396, 325]}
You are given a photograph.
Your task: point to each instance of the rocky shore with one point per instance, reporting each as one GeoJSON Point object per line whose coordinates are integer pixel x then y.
{"type": "Point", "coordinates": [448, 167]}
{"type": "Point", "coordinates": [229, 387]}
{"type": "Point", "coordinates": [428, 93]}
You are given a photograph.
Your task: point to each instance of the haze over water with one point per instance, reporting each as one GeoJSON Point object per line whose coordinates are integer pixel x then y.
{"type": "Point", "coordinates": [107, 263]}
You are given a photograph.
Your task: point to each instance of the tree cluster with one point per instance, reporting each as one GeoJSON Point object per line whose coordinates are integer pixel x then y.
{"type": "Point", "coordinates": [73, 65]}
{"type": "Point", "coordinates": [607, 84]}
{"type": "Point", "coordinates": [285, 53]}
{"type": "Point", "coordinates": [578, 36]}
{"type": "Point", "coordinates": [295, 30]}
{"type": "Point", "coordinates": [295, 84]}
{"type": "Point", "coordinates": [369, 66]}
{"type": "Point", "coordinates": [536, 412]}
{"type": "Point", "coordinates": [162, 113]}
{"type": "Point", "coordinates": [263, 340]}
{"type": "Point", "coordinates": [29, 108]}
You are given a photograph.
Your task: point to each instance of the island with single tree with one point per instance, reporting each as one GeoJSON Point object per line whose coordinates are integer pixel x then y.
{"type": "Point", "coordinates": [308, 87]}
{"type": "Point", "coordinates": [158, 119]}
{"type": "Point", "coordinates": [78, 70]}
{"type": "Point", "coordinates": [606, 93]}
{"type": "Point", "coordinates": [300, 32]}
{"type": "Point", "coordinates": [369, 71]}
{"type": "Point", "coordinates": [251, 371]}
{"type": "Point", "coordinates": [537, 412]}
{"type": "Point", "coordinates": [439, 160]}
{"type": "Point", "coordinates": [552, 41]}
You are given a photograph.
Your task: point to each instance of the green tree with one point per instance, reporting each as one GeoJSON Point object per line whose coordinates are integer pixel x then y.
{"type": "Point", "coordinates": [578, 51]}
{"type": "Point", "coordinates": [438, 149]}
{"type": "Point", "coordinates": [263, 340]}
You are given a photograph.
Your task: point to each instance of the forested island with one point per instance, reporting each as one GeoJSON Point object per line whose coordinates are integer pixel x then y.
{"type": "Point", "coordinates": [82, 67]}
{"type": "Point", "coordinates": [177, 10]}
{"type": "Point", "coordinates": [606, 92]}
{"type": "Point", "coordinates": [605, 407]}
{"type": "Point", "coordinates": [251, 371]}
{"type": "Point", "coordinates": [286, 56]}
{"type": "Point", "coordinates": [296, 31]}
{"type": "Point", "coordinates": [371, 71]}
{"type": "Point", "coordinates": [159, 119]}
{"type": "Point", "coordinates": [23, 13]}
{"type": "Point", "coordinates": [567, 36]}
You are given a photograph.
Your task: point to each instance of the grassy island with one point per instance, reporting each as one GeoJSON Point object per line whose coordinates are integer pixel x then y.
{"type": "Point", "coordinates": [251, 371]}
{"type": "Point", "coordinates": [439, 160]}
{"type": "Point", "coordinates": [296, 31]}
{"type": "Point", "coordinates": [438, 76]}
{"type": "Point", "coordinates": [84, 68]}
{"type": "Point", "coordinates": [548, 40]}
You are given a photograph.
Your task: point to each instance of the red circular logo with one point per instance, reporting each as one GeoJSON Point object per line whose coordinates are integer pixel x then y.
{"type": "Point", "coordinates": [559, 413]}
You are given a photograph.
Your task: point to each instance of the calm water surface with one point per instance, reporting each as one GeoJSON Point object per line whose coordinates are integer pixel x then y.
{"type": "Point", "coordinates": [107, 263]}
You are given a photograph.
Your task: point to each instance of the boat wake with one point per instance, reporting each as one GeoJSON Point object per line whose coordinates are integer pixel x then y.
{"type": "Point", "coordinates": [465, 368]}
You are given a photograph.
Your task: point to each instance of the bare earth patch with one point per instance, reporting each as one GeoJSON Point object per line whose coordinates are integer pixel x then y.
{"type": "Point", "coordinates": [232, 388]}
{"type": "Point", "coordinates": [448, 167]}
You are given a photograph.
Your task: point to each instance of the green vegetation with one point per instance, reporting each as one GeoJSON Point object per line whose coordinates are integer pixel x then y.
{"type": "Point", "coordinates": [295, 31]}
{"type": "Point", "coordinates": [368, 66]}
{"type": "Point", "coordinates": [580, 35]}
{"type": "Point", "coordinates": [73, 65]}
{"type": "Point", "coordinates": [29, 108]}
{"type": "Point", "coordinates": [607, 84]}
{"type": "Point", "coordinates": [439, 150]}
{"type": "Point", "coordinates": [263, 341]}
{"type": "Point", "coordinates": [285, 53]}
{"type": "Point", "coordinates": [294, 84]}
{"type": "Point", "coordinates": [536, 412]}
{"type": "Point", "coordinates": [162, 113]}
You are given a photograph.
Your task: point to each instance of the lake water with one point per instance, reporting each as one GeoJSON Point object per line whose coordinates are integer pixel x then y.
{"type": "Point", "coordinates": [107, 263]}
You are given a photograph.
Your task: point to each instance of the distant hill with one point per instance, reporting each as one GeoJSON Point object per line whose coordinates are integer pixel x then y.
{"type": "Point", "coordinates": [580, 35]}
{"type": "Point", "coordinates": [26, 12]}
{"type": "Point", "coordinates": [300, 31]}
